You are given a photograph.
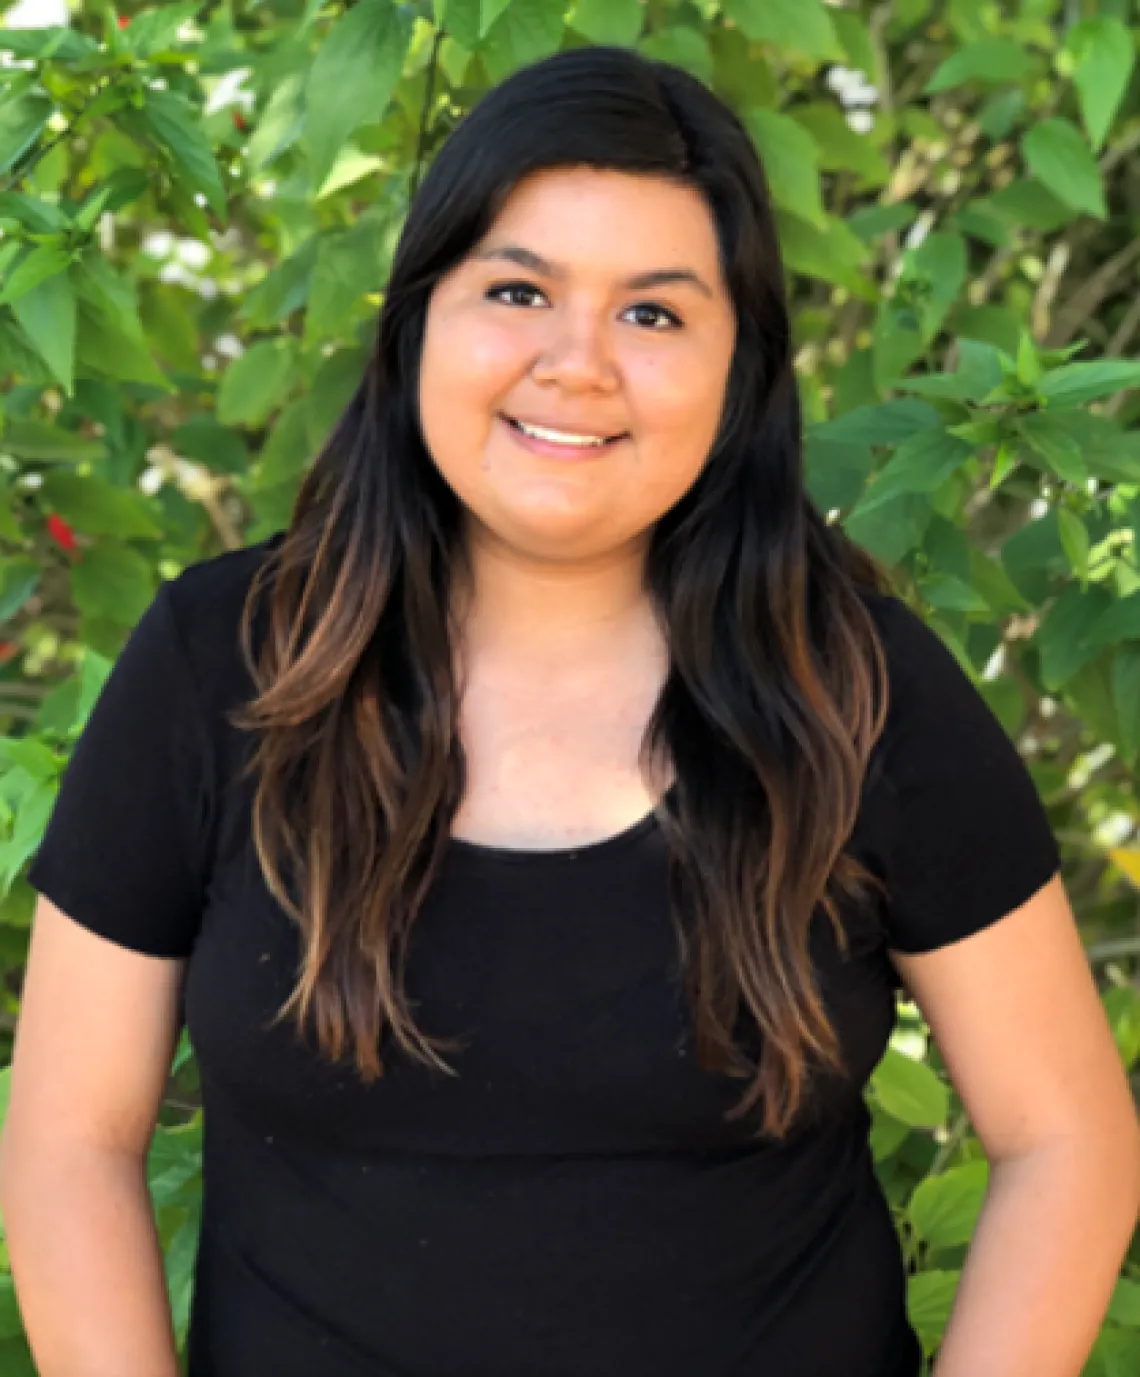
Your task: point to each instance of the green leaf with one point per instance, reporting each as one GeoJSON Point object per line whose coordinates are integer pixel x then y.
{"type": "Point", "coordinates": [37, 440]}
{"type": "Point", "coordinates": [348, 266]}
{"type": "Point", "coordinates": [280, 124]}
{"type": "Point", "coordinates": [950, 594]}
{"type": "Point", "coordinates": [112, 582]}
{"type": "Point", "coordinates": [41, 217]}
{"type": "Point", "coordinates": [910, 1091]}
{"type": "Point", "coordinates": [885, 423]}
{"type": "Point", "coordinates": [1078, 383]}
{"type": "Point", "coordinates": [173, 121]}
{"type": "Point", "coordinates": [47, 316]}
{"type": "Point", "coordinates": [352, 79]}
{"type": "Point", "coordinates": [489, 11]}
{"type": "Point", "coordinates": [1124, 1307]}
{"type": "Point", "coordinates": [608, 21]}
{"type": "Point", "coordinates": [257, 382]}
{"type": "Point", "coordinates": [1104, 54]}
{"type": "Point", "coordinates": [1001, 112]}
{"type": "Point", "coordinates": [1061, 160]}
{"type": "Point", "coordinates": [855, 38]}
{"type": "Point", "coordinates": [835, 472]}
{"type": "Point", "coordinates": [682, 46]}
{"type": "Point", "coordinates": [461, 19]}
{"type": "Point", "coordinates": [333, 387]}
{"type": "Point", "coordinates": [1126, 700]}
{"type": "Point", "coordinates": [178, 1262]}
{"type": "Point", "coordinates": [869, 222]}
{"type": "Point", "coordinates": [111, 341]}
{"type": "Point", "coordinates": [791, 163]}
{"type": "Point", "coordinates": [20, 576]}
{"type": "Point", "coordinates": [284, 290]}
{"type": "Point", "coordinates": [51, 42]}
{"type": "Point", "coordinates": [919, 465]}
{"type": "Point", "coordinates": [798, 26]}
{"type": "Point", "coordinates": [831, 253]}
{"type": "Point", "coordinates": [892, 530]}
{"type": "Point", "coordinates": [1075, 540]}
{"type": "Point", "coordinates": [929, 1300]}
{"type": "Point", "coordinates": [42, 263]}
{"type": "Point", "coordinates": [22, 119]}
{"type": "Point", "coordinates": [940, 264]}
{"type": "Point", "coordinates": [840, 148]}
{"type": "Point", "coordinates": [1120, 622]}
{"type": "Point", "coordinates": [886, 1135]}
{"type": "Point", "coordinates": [96, 507]}
{"type": "Point", "coordinates": [1055, 445]}
{"type": "Point", "coordinates": [156, 31]}
{"type": "Point", "coordinates": [896, 342]}
{"type": "Point", "coordinates": [11, 1326]}
{"type": "Point", "coordinates": [1027, 203]}
{"type": "Point", "coordinates": [1061, 637]}
{"type": "Point", "coordinates": [286, 450]}
{"type": "Point", "coordinates": [944, 1209]}
{"type": "Point", "coordinates": [990, 60]}
{"type": "Point", "coordinates": [220, 449]}
{"type": "Point", "coordinates": [1118, 1351]}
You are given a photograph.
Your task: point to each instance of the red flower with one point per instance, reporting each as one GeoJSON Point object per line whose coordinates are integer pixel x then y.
{"type": "Point", "coordinates": [123, 21]}
{"type": "Point", "coordinates": [61, 532]}
{"type": "Point", "coordinates": [240, 121]}
{"type": "Point", "coordinates": [8, 650]}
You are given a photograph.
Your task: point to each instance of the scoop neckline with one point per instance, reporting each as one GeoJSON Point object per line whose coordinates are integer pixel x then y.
{"type": "Point", "coordinates": [512, 855]}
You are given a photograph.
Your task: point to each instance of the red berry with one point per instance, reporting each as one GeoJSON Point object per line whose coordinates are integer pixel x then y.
{"type": "Point", "coordinates": [8, 649]}
{"type": "Point", "coordinates": [240, 121]}
{"type": "Point", "coordinates": [61, 532]}
{"type": "Point", "coordinates": [123, 21]}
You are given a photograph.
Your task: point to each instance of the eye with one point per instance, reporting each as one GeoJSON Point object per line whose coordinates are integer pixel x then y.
{"type": "Point", "coordinates": [501, 289]}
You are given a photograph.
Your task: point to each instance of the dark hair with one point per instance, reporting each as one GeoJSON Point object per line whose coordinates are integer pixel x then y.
{"type": "Point", "coordinates": [776, 691]}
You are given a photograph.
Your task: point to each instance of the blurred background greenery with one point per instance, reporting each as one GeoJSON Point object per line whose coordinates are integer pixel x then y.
{"type": "Point", "coordinates": [198, 206]}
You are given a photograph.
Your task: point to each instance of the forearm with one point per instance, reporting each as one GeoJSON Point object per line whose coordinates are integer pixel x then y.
{"type": "Point", "coordinates": [1043, 1262]}
{"type": "Point", "coordinates": [87, 1265]}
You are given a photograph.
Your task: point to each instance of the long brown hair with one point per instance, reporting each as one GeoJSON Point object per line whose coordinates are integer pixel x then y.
{"type": "Point", "coordinates": [776, 691]}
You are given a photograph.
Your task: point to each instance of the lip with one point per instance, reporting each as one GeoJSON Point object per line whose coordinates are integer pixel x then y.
{"type": "Point", "coordinates": [551, 450]}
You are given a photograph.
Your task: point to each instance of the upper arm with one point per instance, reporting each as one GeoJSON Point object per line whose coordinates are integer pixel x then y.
{"type": "Point", "coordinates": [1017, 1019]}
{"type": "Point", "coordinates": [94, 1040]}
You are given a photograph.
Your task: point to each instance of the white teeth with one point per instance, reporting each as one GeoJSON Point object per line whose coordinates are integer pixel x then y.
{"type": "Point", "coordinates": [559, 437]}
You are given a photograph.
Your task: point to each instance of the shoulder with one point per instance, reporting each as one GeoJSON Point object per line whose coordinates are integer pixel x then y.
{"type": "Point", "coordinates": [921, 666]}
{"type": "Point", "coordinates": [207, 598]}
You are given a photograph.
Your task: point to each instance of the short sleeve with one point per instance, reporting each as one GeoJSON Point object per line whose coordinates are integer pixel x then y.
{"type": "Point", "coordinates": [124, 852]}
{"type": "Point", "coordinates": [968, 838]}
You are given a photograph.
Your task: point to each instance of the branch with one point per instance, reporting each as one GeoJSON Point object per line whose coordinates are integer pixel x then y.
{"type": "Point", "coordinates": [18, 176]}
{"type": "Point", "coordinates": [421, 138]}
{"type": "Point", "coordinates": [1092, 292]}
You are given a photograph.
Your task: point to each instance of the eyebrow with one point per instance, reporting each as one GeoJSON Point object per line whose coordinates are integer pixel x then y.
{"type": "Point", "coordinates": [658, 277]}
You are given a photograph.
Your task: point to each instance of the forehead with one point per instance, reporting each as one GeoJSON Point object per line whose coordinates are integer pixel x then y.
{"type": "Point", "coordinates": [599, 218]}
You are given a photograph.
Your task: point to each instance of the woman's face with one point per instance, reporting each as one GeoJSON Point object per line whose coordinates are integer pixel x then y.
{"type": "Point", "coordinates": [546, 323]}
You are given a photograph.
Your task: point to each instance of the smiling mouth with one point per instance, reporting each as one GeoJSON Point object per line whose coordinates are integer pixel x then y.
{"type": "Point", "coordinates": [570, 444]}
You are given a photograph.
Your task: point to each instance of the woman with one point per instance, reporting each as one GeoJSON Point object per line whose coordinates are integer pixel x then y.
{"type": "Point", "coordinates": [535, 835]}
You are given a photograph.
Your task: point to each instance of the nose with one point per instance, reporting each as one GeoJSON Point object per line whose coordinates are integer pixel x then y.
{"type": "Point", "coordinates": [577, 352]}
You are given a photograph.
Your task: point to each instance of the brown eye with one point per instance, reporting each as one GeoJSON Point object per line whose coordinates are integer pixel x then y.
{"type": "Point", "coordinates": [496, 293]}
{"type": "Point", "coordinates": [501, 292]}
{"type": "Point", "coordinates": [659, 311]}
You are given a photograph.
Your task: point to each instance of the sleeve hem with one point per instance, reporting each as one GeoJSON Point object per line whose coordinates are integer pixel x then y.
{"type": "Point", "coordinates": [988, 920]}
{"type": "Point", "coordinates": [96, 923]}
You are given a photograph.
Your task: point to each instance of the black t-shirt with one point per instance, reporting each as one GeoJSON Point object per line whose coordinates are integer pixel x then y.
{"type": "Point", "coordinates": [573, 1203]}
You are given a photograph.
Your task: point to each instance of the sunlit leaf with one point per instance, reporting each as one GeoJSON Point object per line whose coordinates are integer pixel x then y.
{"type": "Point", "coordinates": [1104, 53]}
{"type": "Point", "coordinates": [1061, 160]}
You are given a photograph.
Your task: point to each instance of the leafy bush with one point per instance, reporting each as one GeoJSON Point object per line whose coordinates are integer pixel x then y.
{"type": "Point", "coordinates": [195, 241]}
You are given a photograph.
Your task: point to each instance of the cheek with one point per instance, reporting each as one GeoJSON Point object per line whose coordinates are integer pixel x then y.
{"type": "Point", "coordinates": [678, 396]}
{"type": "Point", "coordinates": [469, 359]}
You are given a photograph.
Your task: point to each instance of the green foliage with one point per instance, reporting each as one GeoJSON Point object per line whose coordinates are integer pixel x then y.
{"type": "Point", "coordinates": [198, 207]}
